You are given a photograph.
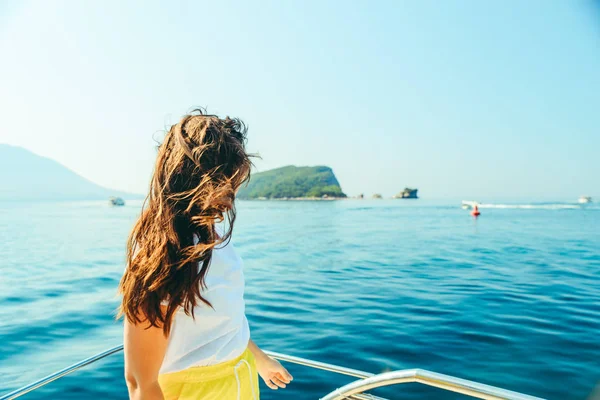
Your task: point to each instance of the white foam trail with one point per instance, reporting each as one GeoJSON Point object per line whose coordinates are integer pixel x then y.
{"type": "Point", "coordinates": [534, 206]}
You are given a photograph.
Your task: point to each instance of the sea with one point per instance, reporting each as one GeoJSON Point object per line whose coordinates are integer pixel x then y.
{"type": "Point", "coordinates": [511, 299]}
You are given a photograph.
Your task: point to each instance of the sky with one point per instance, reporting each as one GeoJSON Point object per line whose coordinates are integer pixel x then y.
{"type": "Point", "coordinates": [461, 99]}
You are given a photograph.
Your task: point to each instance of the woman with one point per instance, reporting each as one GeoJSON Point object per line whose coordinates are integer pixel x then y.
{"type": "Point", "coordinates": [186, 334]}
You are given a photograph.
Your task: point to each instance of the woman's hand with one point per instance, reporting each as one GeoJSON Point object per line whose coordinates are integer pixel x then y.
{"type": "Point", "coordinates": [272, 372]}
{"type": "Point", "coordinates": [269, 369]}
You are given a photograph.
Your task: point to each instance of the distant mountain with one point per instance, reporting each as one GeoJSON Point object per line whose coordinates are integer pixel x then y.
{"type": "Point", "coordinates": [27, 176]}
{"type": "Point", "coordinates": [292, 181]}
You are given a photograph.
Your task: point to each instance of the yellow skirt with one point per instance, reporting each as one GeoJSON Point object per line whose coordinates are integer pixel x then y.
{"type": "Point", "coordinates": [232, 380]}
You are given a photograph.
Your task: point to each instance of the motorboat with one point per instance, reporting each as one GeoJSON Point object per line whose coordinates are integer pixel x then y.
{"type": "Point", "coordinates": [467, 204]}
{"type": "Point", "coordinates": [116, 201]}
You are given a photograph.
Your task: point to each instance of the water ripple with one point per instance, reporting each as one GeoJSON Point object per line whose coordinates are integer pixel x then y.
{"type": "Point", "coordinates": [508, 301]}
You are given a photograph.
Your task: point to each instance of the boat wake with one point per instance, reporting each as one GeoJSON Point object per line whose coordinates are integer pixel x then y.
{"type": "Point", "coordinates": [533, 206]}
{"type": "Point", "coordinates": [542, 206]}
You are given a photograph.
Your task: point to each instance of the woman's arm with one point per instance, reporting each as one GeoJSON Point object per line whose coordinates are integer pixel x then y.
{"type": "Point", "coordinates": [145, 349]}
{"type": "Point", "coordinates": [269, 369]}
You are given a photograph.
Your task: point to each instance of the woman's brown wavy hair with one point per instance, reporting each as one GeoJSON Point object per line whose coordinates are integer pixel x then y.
{"type": "Point", "coordinates": [199, 167]}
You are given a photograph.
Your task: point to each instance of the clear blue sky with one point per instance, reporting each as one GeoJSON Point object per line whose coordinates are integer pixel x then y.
{"type": "Point", "coordinates": [462, 99]}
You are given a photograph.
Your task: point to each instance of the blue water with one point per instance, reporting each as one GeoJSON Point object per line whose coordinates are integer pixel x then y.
{"type": "Point", "coordinates": [511, 300]}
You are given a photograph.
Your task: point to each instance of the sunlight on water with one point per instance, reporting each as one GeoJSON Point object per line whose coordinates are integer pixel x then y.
{"type": "Point", "coordinates": [510, 300]}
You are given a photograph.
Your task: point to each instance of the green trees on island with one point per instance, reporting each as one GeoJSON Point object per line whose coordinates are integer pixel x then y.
{"type": "Point", "coordinates": [292, 181]}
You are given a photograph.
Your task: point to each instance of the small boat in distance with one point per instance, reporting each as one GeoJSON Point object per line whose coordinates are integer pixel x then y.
{"type": "Point", "coordinates": [585, 200]}
{"type": "Point", "coordinates": [116, 201]}
{"type": "Point", "coordinates": [466, 204]}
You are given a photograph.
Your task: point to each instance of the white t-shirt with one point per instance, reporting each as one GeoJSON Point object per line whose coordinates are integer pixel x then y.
{"type": "Point", "coordinates": [217, 334]}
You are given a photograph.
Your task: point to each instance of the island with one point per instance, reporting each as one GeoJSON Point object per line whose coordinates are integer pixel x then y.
{"type": "Point", "coordinates": [292, 182]}
{"type": "Point", "coordinates": [407, 193]}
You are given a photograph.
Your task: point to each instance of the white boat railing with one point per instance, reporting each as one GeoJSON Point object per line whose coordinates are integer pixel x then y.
{"type": "Point", "coordinates": [446, 382]}
{"type": "Point", "coordinates": [367, 381]}
{"type": "Point", "coordinates": [59, 374]}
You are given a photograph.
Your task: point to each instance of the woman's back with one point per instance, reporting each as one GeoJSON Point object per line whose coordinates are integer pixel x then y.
{"type": "Point", "coordinates": [216, 334]}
